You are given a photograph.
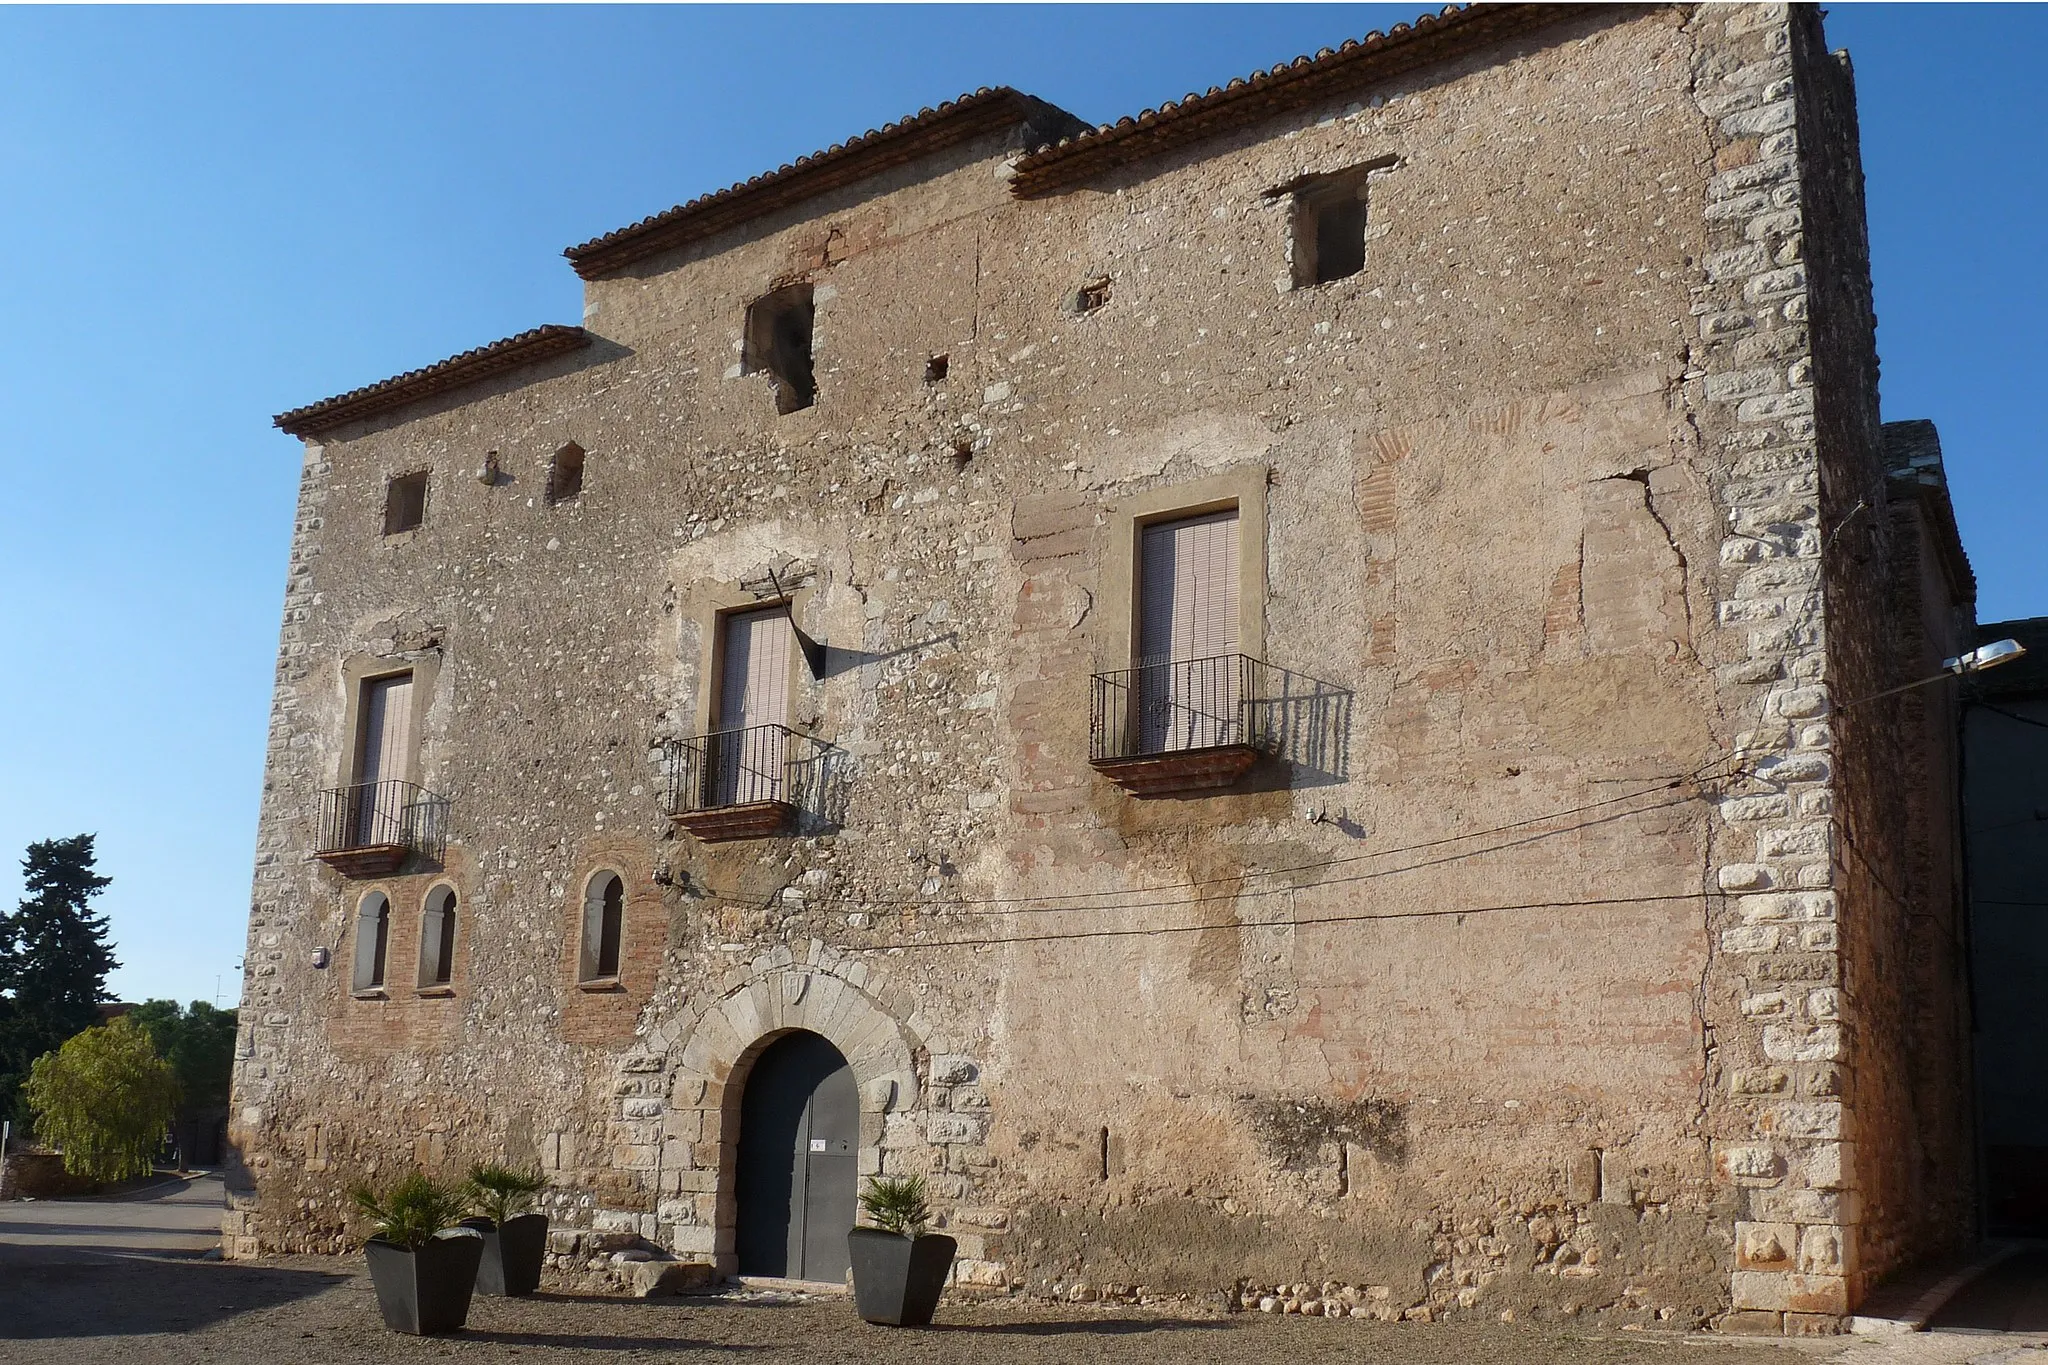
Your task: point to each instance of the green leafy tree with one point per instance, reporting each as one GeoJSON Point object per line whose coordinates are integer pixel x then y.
{"type": "Point", "coordinates": [54, 960]}
{"type": "Point", "coordinates": [199, 1043]}
{"type": "Point", "coordinates": [106, 1099]}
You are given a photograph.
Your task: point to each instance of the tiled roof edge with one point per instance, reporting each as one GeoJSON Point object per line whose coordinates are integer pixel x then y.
{"type": "Point", "coordinates": [1290, 85]}
{"type": "Point", "coordinates": [456, 372]}
{"type": "Point", "coordinates": [878, 149]}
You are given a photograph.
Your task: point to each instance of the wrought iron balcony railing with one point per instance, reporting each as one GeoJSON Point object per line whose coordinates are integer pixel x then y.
{"type": "Point", "coordinates": [369, 829]}
{"type": "Point", "coordinates": [1190, 724]}
{"type": "Point", "coordinates": [737, 784]}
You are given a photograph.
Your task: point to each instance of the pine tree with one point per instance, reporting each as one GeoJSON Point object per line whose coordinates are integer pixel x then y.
{"type": "Point", "coordinates": [54, 960]}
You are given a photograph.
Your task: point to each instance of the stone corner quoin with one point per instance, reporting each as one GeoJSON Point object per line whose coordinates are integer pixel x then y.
{"type": "Point", "coordinates": [1273, 693]}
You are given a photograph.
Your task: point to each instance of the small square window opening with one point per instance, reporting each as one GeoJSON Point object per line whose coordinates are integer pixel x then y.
{"type": "Point", "coordinates": [1329, 226]}
{"type": "Point", "coordinates": [405, 503]}
{"type": "Point", "coordinates": [1090, 296]}
{"type": "Point", "coordinates": [778, 342]}
{"type": "Point", "coordinates": [565, 475]}
{"type": "Point", "coordinates": [935, 370]}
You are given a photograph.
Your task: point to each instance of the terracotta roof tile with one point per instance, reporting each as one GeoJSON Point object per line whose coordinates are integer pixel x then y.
{"type": "Point", "coordinates": [984, 111]}
{"type": "Point", "coordinates": [455, 372]}
{"type": "Point", "coordinates": [1289, 85]}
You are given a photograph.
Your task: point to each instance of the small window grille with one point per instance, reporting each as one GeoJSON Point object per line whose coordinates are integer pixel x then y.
{"type": "Point", "coordinates": [405, 503]}
{"type": "Point", "coordinates": [1090, 296]}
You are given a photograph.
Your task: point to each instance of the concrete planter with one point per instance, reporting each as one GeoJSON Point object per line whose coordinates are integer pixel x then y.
{"type": "Point", "coordinates": [425, 1290]}
{"type": "Point", "coordinates": [896, 1279]}
{"type": "Point", "coordinates": [512, 1254]}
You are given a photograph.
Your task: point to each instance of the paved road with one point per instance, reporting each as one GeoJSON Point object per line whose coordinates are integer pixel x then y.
{"type": "Point", "coordinates": [175, 1217]}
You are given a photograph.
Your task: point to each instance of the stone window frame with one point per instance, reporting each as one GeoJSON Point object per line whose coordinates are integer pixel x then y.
{"type": "Point", "coordinates": [1307, 194]}
{"type": "Point", "coordinates": [438, 989]}
{"type": "Point", "coordinates": [1242, 488]}
{"type": "Point", "coordinates": [357, 673]}
{"type": "Point", "coordinates": [706, 607]}
{"type": "Point", "coordinates": [378, 989]}
{"type": "Point", "coordinates": [599, 984]}
{"type": "Point", "coordinates": [391, 481]}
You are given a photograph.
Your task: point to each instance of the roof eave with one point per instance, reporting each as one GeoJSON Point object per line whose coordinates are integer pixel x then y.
{"type": "Point", "coordinates": [456, 372]}
{"type": "Point", "coordinates": [1404, 47]}
{"type": "Point", "coordinates": [962, 120]}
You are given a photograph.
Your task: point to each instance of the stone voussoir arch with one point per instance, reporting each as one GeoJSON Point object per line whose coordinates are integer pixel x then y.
{"type": "Point", "coordinates": [708, 1052]}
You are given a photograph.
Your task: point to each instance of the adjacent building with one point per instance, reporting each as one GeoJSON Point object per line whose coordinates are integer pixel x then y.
{"type": "Point", "coordinates": [1279, 692]}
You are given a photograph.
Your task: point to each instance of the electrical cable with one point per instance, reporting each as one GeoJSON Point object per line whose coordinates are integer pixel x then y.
{"type": "Point", "coordinates": [1699, 774]}
{"type": "Point", "coordinates": [1308, 922]}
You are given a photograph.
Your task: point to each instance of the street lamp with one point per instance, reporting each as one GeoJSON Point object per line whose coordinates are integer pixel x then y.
{"type": "Point", "coordinates": [1976, 661]}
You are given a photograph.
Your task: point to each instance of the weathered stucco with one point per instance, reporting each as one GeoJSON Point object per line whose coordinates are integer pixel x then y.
{"type": "Point", "coordinates": [1521, 983]}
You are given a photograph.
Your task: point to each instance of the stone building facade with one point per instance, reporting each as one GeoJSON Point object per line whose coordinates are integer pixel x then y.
{"type": "Point", "coordinates": [1526, 931]}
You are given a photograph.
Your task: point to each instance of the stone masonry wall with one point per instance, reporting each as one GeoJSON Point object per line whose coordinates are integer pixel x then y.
{"type": "Point", "coordinates": [1514, 985]}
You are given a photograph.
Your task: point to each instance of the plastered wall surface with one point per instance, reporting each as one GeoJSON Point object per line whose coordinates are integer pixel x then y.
{"type": "Point", "coordinates": [1518, 984]}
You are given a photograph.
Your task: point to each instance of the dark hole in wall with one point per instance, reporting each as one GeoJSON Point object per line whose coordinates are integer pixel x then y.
{"type": "Point", "coordinates": [935, 370]}
{"type": "Point", "coordinates": [1090, 296]}
{"type": "Point", "coordinates": [778, 341]}
{"type": "Point", "coordinates": [565, 475]}
{"type": "Point", "coordinates": [405, 503]}
{"type": "Point", "coordinates": [1340, 238]}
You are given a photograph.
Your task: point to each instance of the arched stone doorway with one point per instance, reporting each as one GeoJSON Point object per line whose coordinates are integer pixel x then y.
{"type": "Point", "coordinates": [796, 1179]}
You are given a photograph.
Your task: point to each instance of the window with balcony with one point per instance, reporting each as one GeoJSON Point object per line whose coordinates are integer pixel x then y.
{"type": "Point", "coordinates": [372, 824]}
{"type": "Point", "coordinates": [373, 938]}
{"type": "Point", "coordinates": [1179, 718]}
{"type": "Point", "coordinates": [604, 929]}
{"type": "Point", "coordinates": [437, 939]}
{"type": "Point", "coordinates": [749, 774]}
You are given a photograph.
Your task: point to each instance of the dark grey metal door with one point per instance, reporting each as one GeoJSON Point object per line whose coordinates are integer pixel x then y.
{"type": "Point", "coordinates": [799, 1126]}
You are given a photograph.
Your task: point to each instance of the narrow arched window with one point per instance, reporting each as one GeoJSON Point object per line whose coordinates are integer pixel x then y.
{"type": "Point", "coordinates": [604, 924]}
{"type": "Point", "coordinates": [437, 938]}
{"type": "Point", "coordinates": [373, 935]}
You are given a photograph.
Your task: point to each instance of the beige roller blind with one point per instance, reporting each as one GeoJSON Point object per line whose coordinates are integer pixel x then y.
{"type": "Point", "coordinates": [387, 728]}
{"type": "Point", "coordinates": [1187, 588]}
{"type": "Point", "coordinates": [1187, 685]}
{"type": "Point", "coordinates": [747, 763]}
{"type": "Point", "coordinates": [386, 757]}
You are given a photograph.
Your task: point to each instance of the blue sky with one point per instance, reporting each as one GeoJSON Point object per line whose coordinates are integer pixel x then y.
{"type": "Point", "coordinates": [210, 215]}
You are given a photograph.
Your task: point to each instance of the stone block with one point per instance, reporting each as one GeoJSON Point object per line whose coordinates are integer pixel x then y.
{"type": "Point", "coordinates": [663, 1279]}
{"type": "Point", "coordinates": [954, 1070]}
{"type": "Point", "coordinates": [1765, 1246]}
{"type": "Point", "coordinates": [1788, 1292]}
{"type": "Point", "coordinates": [1803, 1120]}
{"type": "Point", "coordinates": [1798, 1043]}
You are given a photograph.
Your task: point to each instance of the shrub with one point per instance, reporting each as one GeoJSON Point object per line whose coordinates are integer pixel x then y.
{"type": "Point", "coordinates": [897, 1203]}
{"type": "Point", "coordinates": [414, 1209]}
{"type": "Point", "coordinates": [106, 1099]}
{"type": "Point", "coordinates": [501, 1193]}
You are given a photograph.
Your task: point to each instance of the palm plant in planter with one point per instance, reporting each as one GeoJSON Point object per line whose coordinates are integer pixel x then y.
{"type": "Point", "coordinates": [515, 1239]}
{"type": "Point", "coordinates": [422, 1263]}
{"type": "Point", "coordinates": [899, 1269]}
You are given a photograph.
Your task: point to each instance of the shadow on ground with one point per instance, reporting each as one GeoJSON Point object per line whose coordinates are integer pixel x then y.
{"type": "Point", "coordinates": [569, 1342]}
{"type": "Point", "coordinates": [1100, 1327]}
{"type": "Point", "coordinates": [138, 1295]}
{"type": "Point", "coordinates": [2012, 1297]}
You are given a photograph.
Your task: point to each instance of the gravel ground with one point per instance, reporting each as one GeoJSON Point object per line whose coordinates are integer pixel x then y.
{"type": "Point", "coordinates": [283, 1312]}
